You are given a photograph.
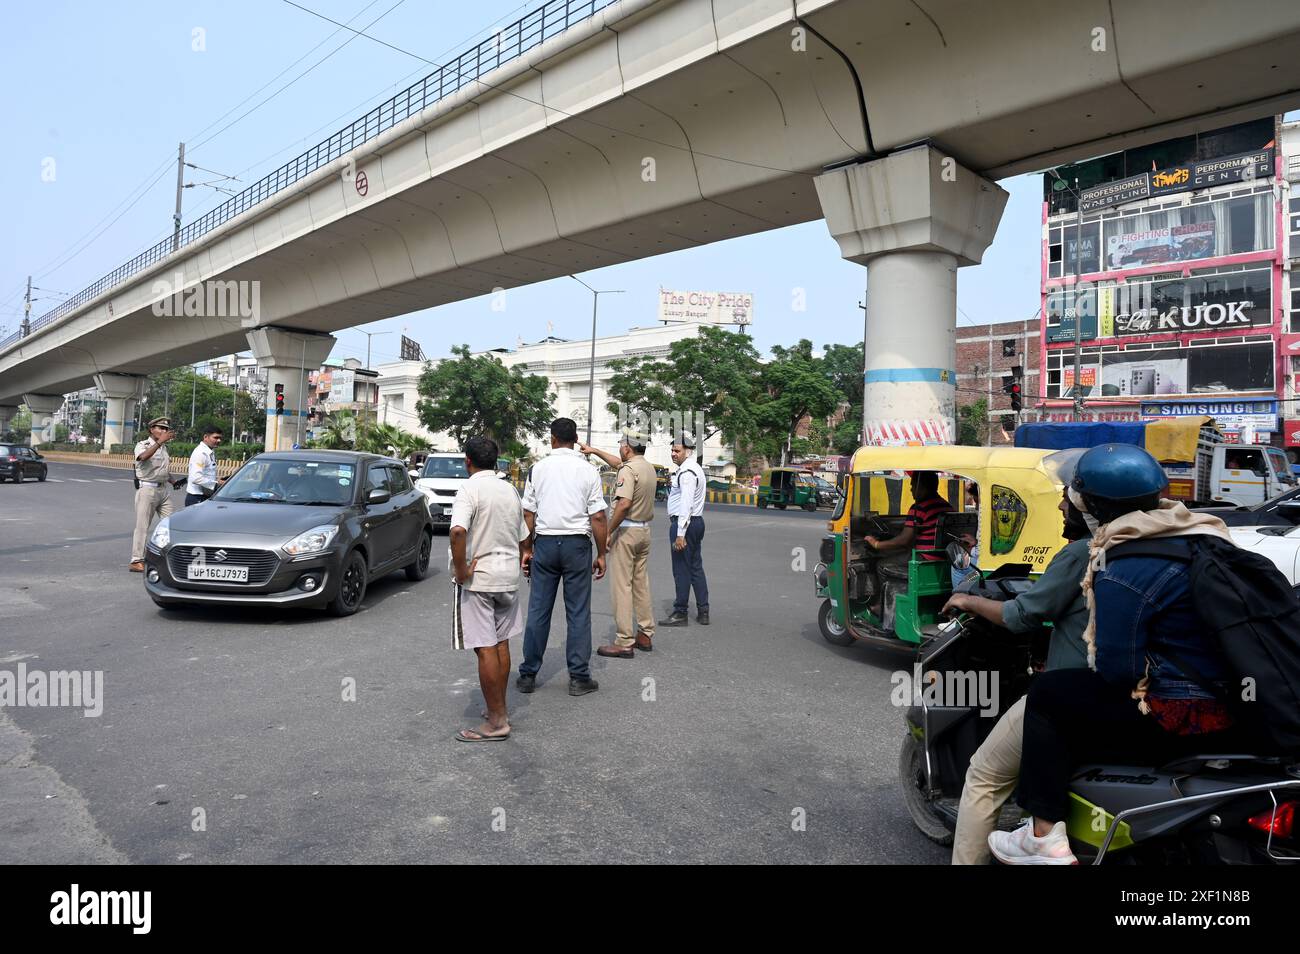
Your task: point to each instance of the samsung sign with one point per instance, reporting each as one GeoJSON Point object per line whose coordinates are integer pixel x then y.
{"type": "Point", "coordinates": [1208, 408]}
{"type": "Point", "coordinates": [1259, 414]}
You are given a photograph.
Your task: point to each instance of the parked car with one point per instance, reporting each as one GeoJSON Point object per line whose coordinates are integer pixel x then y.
{"type": "Point", "coordinates": [293, 528]}
{"type": "Point", "coordinates": [1281, 544]}
{"type": "Point", "coordinates": [1282, 510]}
{"type": "Point", "coordinates": [827, 492]}
{"type": "Point", "coordinates": [18, 462]}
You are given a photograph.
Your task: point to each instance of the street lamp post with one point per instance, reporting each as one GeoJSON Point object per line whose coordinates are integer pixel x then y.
{"type": "Point", "coordinates": [369, 335]}
{"type": "Point", "coordinates": [591, 376]}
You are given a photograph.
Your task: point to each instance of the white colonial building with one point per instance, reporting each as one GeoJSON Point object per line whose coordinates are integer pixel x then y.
{"type": "Point", "coordinates": [567, 366]}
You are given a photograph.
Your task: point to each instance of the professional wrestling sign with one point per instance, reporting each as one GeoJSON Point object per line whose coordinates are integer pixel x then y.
{"type": "Point", "coordinates": [1182, 178]}
{"type": "Point", "coordinates": [1115, 193]}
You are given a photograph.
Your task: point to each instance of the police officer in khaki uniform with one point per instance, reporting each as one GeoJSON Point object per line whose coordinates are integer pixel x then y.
{"type": "Point", "coordinates": [629, 546]}
{"type": "Point", "coordinates": [153, 495]}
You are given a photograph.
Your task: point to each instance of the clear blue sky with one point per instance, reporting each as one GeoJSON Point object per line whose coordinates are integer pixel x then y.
{"type": "Point", "coordinates": [106, 91]}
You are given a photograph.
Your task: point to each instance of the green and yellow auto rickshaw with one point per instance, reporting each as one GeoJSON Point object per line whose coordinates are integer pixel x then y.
{"type": "Point", "coordinates": [783, 487]}
{"type": "Point", "coordinates": [893, 598]}
{"type": "Point", "coordinates": [663, 482]}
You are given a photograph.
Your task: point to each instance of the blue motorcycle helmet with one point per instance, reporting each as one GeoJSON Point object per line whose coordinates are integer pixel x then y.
{"type": "Point", "coordinates": [1115, 479]}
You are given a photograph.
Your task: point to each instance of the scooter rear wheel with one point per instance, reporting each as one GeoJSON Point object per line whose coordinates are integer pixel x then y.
{"type": "Point", "coordinates": [911, 779]}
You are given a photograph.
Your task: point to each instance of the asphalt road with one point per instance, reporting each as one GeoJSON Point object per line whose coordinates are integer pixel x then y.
{"type": "Point", "coordinates": [236, 719]}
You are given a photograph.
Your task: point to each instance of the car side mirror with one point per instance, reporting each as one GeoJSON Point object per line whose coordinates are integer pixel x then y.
{"type": "Point", "coordinates": [379, 497]}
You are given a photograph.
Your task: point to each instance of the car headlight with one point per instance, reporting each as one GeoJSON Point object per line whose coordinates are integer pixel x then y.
{"type": "Point", "coordinates": [312, 541]}
{"type": "Point", "coordinates": [162, 534]}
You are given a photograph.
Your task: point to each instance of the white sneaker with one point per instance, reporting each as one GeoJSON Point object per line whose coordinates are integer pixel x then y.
{"type": "Point", "coordinates": [1023, 847]}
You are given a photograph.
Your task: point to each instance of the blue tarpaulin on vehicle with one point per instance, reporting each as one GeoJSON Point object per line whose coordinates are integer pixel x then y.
{"type": "Point", "coordinates": [1052, 436]}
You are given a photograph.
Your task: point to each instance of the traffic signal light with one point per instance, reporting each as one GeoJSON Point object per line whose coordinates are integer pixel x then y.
{"type": "Point", "coordinates": [279, 399]}
{"type": "Point", "coordinates": [1013, 385]}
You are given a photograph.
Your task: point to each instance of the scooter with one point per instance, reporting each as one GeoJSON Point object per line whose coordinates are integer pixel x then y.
{"type": "Point", "coordinates": [1213, 808]}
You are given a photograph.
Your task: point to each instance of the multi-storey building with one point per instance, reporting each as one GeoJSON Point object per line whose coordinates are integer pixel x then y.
{"type": "Point", "coordinates": [1172, 260]}
{"type": "Point", "coordinates": [986, 357]}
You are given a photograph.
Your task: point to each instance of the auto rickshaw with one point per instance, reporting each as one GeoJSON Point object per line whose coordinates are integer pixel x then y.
{"type": "Point", "coordinates": [894, 598]}
{"type": "Point", "coordinates": [663, 482]}
{"type": "Point", "coordinates": [782, 487]}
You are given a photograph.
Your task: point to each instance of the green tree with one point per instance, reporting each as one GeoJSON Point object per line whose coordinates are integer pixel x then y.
{"type": "Point", "coordinates": [469, 396]}
{"type": "Point", "coordinates": [973, 423]}
{"type": "Point", "coordinates": [714, 374]}
{"type": "Point", "coordinates": [844, 366]}
{"type": "Point", "coordinates": [795, 385]}
{"type": "Point", "coordinates": [388, 439]}
{"type": "Point", "coordinates": [92, 423]}
{"type": "Point", "coordinates": [847, 436]}
{"type": "Point", "coordinates": [20, 426]}
{"type": "Point", "coordinates": [338, 433]}
{"type": "Point", "coordinates": [183, 394]}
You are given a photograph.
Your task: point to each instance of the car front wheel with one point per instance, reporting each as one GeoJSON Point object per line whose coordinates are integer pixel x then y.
{"type": "Point", "coordinates": [44, 473]}
{"type": "Point", "coordinates": [418, 569]}
{"type": "Point", "coordinates": [352, 586]}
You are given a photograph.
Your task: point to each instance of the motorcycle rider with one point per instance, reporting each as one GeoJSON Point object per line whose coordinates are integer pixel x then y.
{"type": "Point", "coordinates": [1140, 615]}
{"type": "Point", "coordinates": [1056, 598]}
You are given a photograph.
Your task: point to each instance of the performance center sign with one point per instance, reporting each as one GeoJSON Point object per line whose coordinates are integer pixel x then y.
{"type": "Point", "coordinates": [1194, 175]}
{"type": "Point", "coordinates": [719, 308]}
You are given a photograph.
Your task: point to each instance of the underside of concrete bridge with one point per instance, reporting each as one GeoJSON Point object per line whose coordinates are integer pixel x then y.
{"type": "Point", "coordinates": [660, 125]}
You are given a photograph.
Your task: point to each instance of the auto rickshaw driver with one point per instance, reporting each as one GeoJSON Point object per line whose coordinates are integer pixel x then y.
{"type": "Point", "coordinates": [922, 524]}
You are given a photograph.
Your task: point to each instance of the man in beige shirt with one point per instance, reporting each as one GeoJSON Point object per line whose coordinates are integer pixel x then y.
{"type": "Point", "coordinates": [629, 546]}
{"type": "Point", "coordinates": [153, 495]}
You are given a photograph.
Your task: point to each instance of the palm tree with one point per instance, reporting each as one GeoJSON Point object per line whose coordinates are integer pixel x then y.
{"type": "Point", "coordinates": [340, 432]}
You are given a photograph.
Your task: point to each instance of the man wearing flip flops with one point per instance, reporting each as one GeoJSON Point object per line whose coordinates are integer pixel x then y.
{"type": "Point", "coordinates": [488, 540]}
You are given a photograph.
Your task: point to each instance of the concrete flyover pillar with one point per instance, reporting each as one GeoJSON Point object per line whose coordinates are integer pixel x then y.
{"type": "Point", "coordinates": [43, 408]}
{"type": "Point", "coordinates": [123, 392]}
{"type": "Point", "coordinates": [913, 218]}
{"type": "Point", "coordinates": [287, 357]}
{"type": "Point", "coordinates": [7, 412]}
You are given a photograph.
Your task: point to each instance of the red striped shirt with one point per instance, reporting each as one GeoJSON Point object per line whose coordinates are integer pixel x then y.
{"type": "Point", "coordinates": [923, 516]}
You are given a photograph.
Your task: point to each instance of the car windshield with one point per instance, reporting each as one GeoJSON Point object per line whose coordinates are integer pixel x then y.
{"type": "Point", "coordinates": [303, 482]}
{"type": "Point", "coordinates": [5, 450]}
{"type": "Point", "coordinates": [444, 467]}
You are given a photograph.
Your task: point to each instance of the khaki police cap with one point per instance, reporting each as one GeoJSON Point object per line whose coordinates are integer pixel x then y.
{"type": "Point", "coordinates": [163, 422]}
{"type": "Point", "coordinates": [636, 438]}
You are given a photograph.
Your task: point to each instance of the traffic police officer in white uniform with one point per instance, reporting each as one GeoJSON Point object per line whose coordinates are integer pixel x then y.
{"type": "Point", "coordinates": [686, 534]}
{"type": "Point", "coordinates": [153, 495]}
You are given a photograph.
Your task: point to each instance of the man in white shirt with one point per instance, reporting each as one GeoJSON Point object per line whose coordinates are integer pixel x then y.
{"type": "Point", "coordinates": [202, 483]}
{"type": "Point", "coordinates": [488, 545]}
{"type": "Point", "coordinates": [564, 509]}
{"type": "Point", "coordinates": [686, 534]}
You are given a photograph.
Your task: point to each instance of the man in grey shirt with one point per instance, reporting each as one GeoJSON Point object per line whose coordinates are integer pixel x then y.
{"type": "Point", "coordinates": [1056, 598]}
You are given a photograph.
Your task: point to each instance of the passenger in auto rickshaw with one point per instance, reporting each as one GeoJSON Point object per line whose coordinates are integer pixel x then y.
{"type": "Point", "coordinates": [922, 523]}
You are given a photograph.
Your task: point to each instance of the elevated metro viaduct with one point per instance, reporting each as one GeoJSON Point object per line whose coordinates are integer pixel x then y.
{"type": "Point", "coordinates": [654, 125]}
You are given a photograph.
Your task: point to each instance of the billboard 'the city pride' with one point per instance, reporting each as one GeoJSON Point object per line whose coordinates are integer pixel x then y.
{"type": "Point", "coordinates": [721, 308]}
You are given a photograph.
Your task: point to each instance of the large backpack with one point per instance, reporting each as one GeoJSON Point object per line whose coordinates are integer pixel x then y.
{"type": "Point", "coordinates": [1253, 613]}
